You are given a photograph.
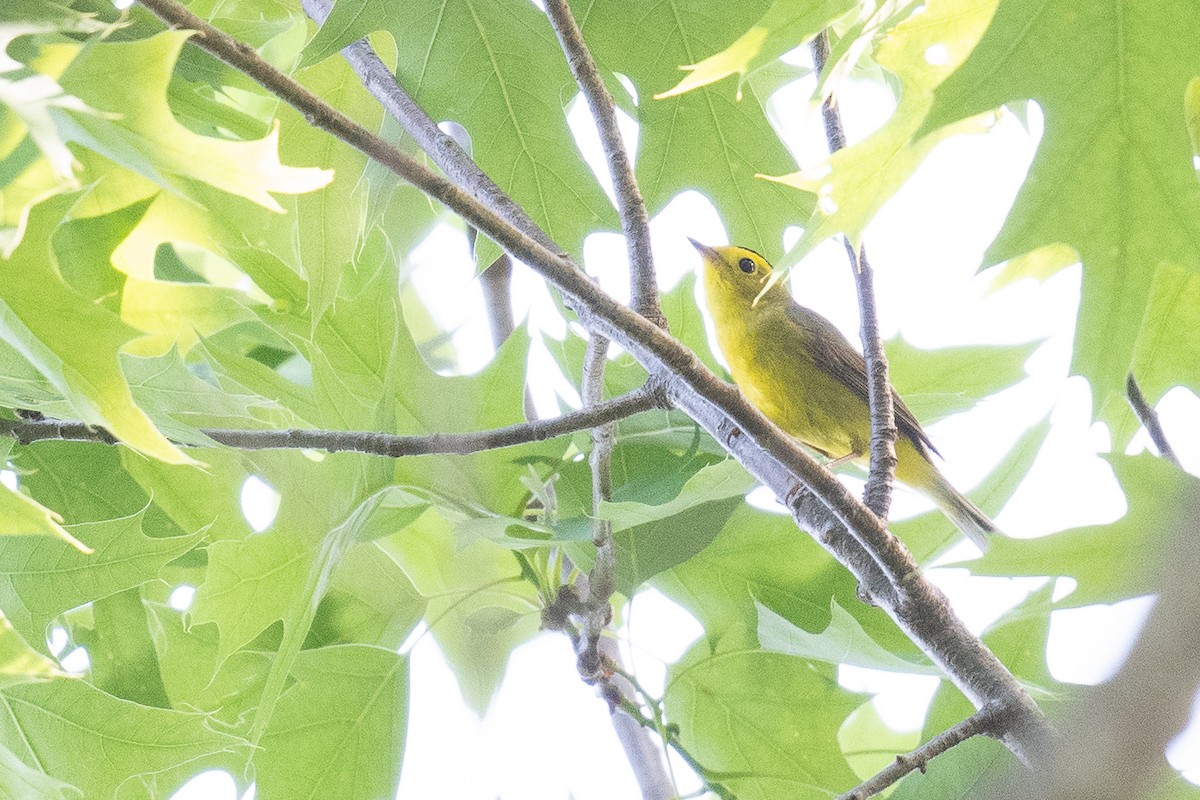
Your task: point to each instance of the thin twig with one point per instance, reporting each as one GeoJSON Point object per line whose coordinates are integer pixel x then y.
{"type": "Point", "coordinates": [600, 577]}
{"type": "Point", "coordinates": [878, 492]}
{"type": "Point", "coordinates": [983, 721]}
{"type": "Point", "coordinates": [918, 607]}
{"type": "Point", "coordinates": [1149, 419]}
{"type": "Point", "coordinates": [378, 444]}
{"type": "Point", "coordinates": [643, 285]}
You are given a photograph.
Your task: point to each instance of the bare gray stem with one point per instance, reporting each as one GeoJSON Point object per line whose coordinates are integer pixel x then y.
{"type": "Point", "coordinates": [1149, 419]}
{"type": "Point", "coordinates": [877, 495]}
{"type": "Point", "coordinates": [643, 285]}
{"type": "Point", "coordinates": [378, 444]}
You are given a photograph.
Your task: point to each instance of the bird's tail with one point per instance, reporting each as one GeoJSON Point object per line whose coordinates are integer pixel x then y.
{"type": "Point", "coordinates": [965, 515]}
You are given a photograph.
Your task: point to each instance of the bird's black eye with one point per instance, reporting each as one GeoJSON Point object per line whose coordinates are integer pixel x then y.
{"type": "Point", "coordinates": [746, 265]}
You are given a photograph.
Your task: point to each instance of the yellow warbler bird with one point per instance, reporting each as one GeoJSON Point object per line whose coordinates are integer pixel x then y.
{"type": "Point", "coordinates": [802, 373]}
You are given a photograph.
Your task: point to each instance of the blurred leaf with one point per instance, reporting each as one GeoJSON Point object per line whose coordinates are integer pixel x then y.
{"type": "Point", "coordinates": [140, 133]}
{"type": "Point", "coordinates": [329, 223]}
{"type": "Point", "coordinates": [369, 600]}
{"type": "Point", "coordinates": [1037, 264]}
{"type": "Point", "coordinates": [1124, 122]}
{"type": "Point", "coordinates": [764, 724]}
{"type": "Point", "coordinates": [282, 573]}
{"type": "Point", "coordinates": [479, 608]}
{"type": "Point", "coordinates": [188, 658]}
{"type": "Point", "coordinates": [19, 780]}
{"type": "Point", "coordinates": [976, 767]}
{"type": "Point", "coordinates": [928, 534]}
{"type": "Point", "coordinates": [121, 656]}
{"type": "Point", "coordinates": [870, 744]}
{"type": "Point", "coordinates": [32, 95]}
{"type": "Point", "coordinates": [360, 696]}
{"type": "Point", "coordinates": [783, 26]}
{"type": "Point", "coordinates": [105, 746]}
{"type": "Point", "coordinates": [182, 403]}
{"type": "Point", "coordinates": [851, 185]}
{"type": "Point", "coordinates": [1163, 358]}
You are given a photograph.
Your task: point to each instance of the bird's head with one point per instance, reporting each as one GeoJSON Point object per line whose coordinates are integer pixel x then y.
{"type": "Point", "coordinates": [734, 273]}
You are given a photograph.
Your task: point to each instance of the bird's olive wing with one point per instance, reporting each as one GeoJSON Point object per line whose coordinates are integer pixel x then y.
{"type": "Point", "coordinates": [834, 356]}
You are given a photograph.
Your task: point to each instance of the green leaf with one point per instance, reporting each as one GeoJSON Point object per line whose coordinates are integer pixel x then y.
{"type": "Point", "coordinates": [121, 654]}
{"type": "Point", "coordinates": [514, 112]}
{"type": "Point", "coordinates": [854, 183]}
{"type": "Point", "coordinates": [71, 341]}
{"type": "Point", "coordinates": [108, 747]}
{"type": "Point", "coordinates": [843, 642]}
{"type": "Point", "coordinates": [360, 696]}
{"type": "Point", "coordinates": [182, 403]}
{"type": "Point", "coordinates": [1155, 490]}
{"type": "Point", "coordinates": [329, 223]}
{"type": "Point", "coordinates": [19, 662]}
{"type": "Point", "coordinates": [23, 516]}
{"type": "Point", "coordinates": [706, 139]}
{"type": "Point", "coordinates": [783, 26]}
{"type": "Point", "coordinates": [140, 133]}
{"type": "Point", "coordinates": [763, 724]}
{"type": "Point", "coordinates": [41, 578]}
{"type": "Point", "coordinates": [757, 556]}
{"type": "Point", "coordinates": [1113, 176]}
{"type": "Point", "coordinates": [938, 383]}
{"type": "Point", "coordinates": [718, 481]}
{"type": "Point", "coordinates": [188, 659]}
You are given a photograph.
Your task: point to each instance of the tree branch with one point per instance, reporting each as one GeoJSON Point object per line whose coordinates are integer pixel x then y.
{"type": "Point", "coordinates": [650, 396]}
{"type": "Point", "coordinates": [984, 721]}
{"type": "Point", "coordinates": [918, 607]}
{"type": "Point", "coordinates": [643, 285]}
{"type": "Point", "coordinates": [878, 492]}
{"type": "Point", "coordinates": [1149, 419]}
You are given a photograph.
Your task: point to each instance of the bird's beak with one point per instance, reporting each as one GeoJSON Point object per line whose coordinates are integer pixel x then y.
{"type": "Point", "coordinates": [704, 249]}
